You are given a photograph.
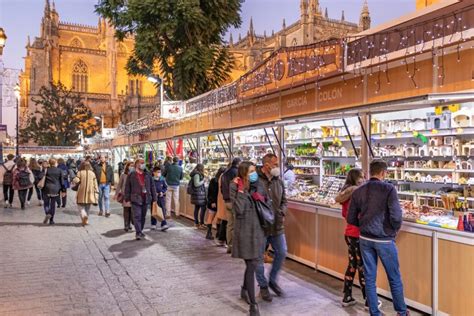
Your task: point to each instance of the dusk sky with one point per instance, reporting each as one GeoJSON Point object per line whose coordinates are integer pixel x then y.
{"type": "Point", "coordinates": [21, 18]}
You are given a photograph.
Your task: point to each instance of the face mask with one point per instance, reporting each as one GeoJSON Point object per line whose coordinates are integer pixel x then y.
{"type": "Point", "coordinates": [253, 177]}
{"type": "Point", "coordinates": [142, 166]}
{"type": "Point", "coordinates": [131, 169]}
{"type": "Point", "coordinates": [156, 178]}
{"type": "Point", "coordinates": [275, 172]}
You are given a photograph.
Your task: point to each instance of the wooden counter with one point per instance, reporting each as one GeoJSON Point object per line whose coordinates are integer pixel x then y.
{"type": "Point", "coordinates": [436, 264]}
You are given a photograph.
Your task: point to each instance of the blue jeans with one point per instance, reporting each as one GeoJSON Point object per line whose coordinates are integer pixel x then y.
{"type": "Point", "coordinates": [388, 254]}
{"type": "Point", "coordinates": [279, 247]}
{"type": "Point", "coordinates": [104, 197]}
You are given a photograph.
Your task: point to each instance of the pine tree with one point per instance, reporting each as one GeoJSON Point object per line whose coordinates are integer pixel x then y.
{"type": "Point", "coordinates": [59, 116]}
{"type": "Point", "coordinates": [182, 38]}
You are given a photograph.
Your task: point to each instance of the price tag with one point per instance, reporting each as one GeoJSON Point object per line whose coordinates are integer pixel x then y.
{"type": "Point", "coordinates": [459, 130]}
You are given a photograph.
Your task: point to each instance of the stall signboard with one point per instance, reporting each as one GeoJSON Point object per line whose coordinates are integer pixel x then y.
{"type": "Point", "coordinates": [173, 109]}
{"type": "Point", "coordinates": [299, 103]}
{"type": "Point", "coordinates": [291, 67]}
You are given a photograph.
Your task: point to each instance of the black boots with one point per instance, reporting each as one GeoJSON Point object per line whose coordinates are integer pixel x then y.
{"type": "Point", "coordinates": [209, 232]}
{"type": "Point", "coordinates": [265, 294]}
{"type": "Point", "coordinates": [254, 310]}
{"type": "Point", "coordinates": [244, 294]}
{"type": "Point", "coordinates": [218, 226]}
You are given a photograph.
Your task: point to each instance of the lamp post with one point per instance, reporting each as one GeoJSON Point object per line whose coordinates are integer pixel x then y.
{"type": "Point", "coordinates": [3, 39]}
{"type": "Point", "coordinates": [17, 97]}
{"type": "Point", "coordinates": [158, 80]}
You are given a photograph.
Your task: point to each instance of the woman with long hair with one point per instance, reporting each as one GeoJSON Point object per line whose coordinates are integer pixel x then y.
{"type": "Point", "coordinates": [38, 174]}
{"type": "Point", "coordinates": [355, 177]}
{"type": "Point", "coordinates": [198, 195]}
{"type": "Point", "coordinates": [127, 206]}
{"type": "Point", "coordinates": [248, 236]}
{"type": "Point", "coordinates": [212, 201]}
{"type": "Point", "coordinates": [87, 191]}
{"type": "Point", "coordinates": [53, 185]}
{"type": "Point", "coordinates": [23, 180]}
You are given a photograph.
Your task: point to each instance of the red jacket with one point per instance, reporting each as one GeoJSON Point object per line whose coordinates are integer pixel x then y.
{"type": "Point", "coordinates": [344, 198]}
{"type": "Point", "coordinates": [351, 230]}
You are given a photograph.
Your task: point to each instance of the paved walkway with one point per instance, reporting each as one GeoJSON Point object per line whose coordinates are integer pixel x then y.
{"type": "Point", "coordinates": [101, 270]}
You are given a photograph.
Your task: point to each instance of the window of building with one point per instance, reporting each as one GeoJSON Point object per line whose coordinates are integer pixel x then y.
{"type": "Point", "coordinates": [75, 43]}
{"type": "Point", "coordinates": [79, 76]}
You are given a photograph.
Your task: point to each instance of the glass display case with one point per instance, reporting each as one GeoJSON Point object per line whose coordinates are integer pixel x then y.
{"type": "Point", "coordinates": [214, 152]}
{"type": "Point", "coordinates": [430, 152]}
{"type": "Point", "coordinates": [254, 144]}
{"type": "Point", "coordinates": [320, 153]}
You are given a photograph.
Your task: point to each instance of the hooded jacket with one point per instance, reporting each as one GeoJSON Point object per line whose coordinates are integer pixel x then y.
{"type": "Point", "coordinates": [276, 192]}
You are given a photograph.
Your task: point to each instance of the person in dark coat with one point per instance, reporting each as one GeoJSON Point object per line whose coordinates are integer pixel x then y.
{"type": "Point", "coordinates": [161, 188]}
{"type": "Point", "coordinates": [62, 197]}
{"type": "Point", "coordinates": [140, 191]}
{"type": "Point", "coordinates": [52, 186]}
{"type": "Point", "coordinates": [226, 179]}
{"type": "Point", "coordinates": [198, 195]}
{"type": "Point", "coordinates": [212, 200]}
{"type": "Point", "coordinates": [38, 172]}
{"type": "Point", "coordinates": [249, 237]}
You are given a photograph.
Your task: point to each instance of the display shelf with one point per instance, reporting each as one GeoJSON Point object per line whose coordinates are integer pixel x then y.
{"type": "Point", "coordinates": [426, 182]}
{"type": "Point", "coordinates": [430, 195]}
{"type": "Point", "coordinates": [420, 169]}
{"type": "Point", "coordinates": [337, 157]}
{"type": "Point", "coordinates": [303, 157]}
{"type": "Point", "coordinates": [306, 166]}
{"type": "Point", "coordinates": [465, 131]}
{"type": "Point", "coordinates": [307, 174]}
{"type": "Point", "coordinates": [343, 138]}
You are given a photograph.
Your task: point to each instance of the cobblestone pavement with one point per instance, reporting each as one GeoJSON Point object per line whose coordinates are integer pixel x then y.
{"type": "Point", "coordinates": [66, 269]}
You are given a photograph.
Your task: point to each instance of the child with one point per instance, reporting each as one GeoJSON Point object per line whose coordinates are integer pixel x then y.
{"type": "Point", "coordinates": [161, 187]}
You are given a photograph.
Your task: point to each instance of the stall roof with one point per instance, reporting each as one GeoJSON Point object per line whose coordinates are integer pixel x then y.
{"type": "Point", "coordinates": [421, 15]}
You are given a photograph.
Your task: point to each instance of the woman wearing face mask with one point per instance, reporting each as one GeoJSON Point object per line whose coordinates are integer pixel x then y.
{"type": "Point", "coordinates": [119, 194]}
{"type": "Point", "coordinates": [161, 188]}
{"type": "Point", "coordinates": [248, 236]}
{"type": "Point", "coordinates": [354, 179]}
{"type": "Point", "coordinates": [140, 192]}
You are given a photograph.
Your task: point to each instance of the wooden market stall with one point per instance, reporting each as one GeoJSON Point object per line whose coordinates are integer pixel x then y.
{"type": "Point", "coordinates": [423, 61]}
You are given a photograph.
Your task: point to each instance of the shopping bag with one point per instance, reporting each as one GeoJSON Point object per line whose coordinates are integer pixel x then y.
{"type": "Point", "coordinates": [157, 212]}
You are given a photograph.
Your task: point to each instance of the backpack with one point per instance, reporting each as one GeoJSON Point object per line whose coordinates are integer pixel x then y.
{"type": "Point", "coordinates": [8, 175]}
{"type": "Point", "coordinates": [24, 178]}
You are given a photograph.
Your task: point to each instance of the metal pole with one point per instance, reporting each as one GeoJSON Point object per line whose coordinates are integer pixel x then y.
{"type": "Point", "coordinates": [102, 125]}
{"type": "Point", "coordinates": [350, 138]}
{"type": "Point", "coordinates": [161, 97]}
{"type": "Point", "coordinates": [17, 130]}
{"type": "Point", "coordinates": [366, 137]}
{"type": "Point", "coordinates": [269, 141]}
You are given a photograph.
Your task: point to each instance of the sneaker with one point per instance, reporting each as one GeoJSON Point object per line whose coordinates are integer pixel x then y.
{"type": "Point", "coordinates": [40, 203]}
{"type": "Point", "coordinates": [164, 228]}
{"type": "Point", "coordinates": [46, 218]}
{"type": "Point", "coordinates": [51, 222]}
{"type": "Point", "coordinates": [28, 203]}
{"type": "Point", "coordinates": [142, 235]}
{"type": "Point", "coordinates": [219, 243]}
{"type": "Point", "coordinates": [379, 305]}
{"type": "Point", "coordinates": [138, 237]}
{"type": "Point", "coordinates": [107, 214]}
{"type": "Point", "coordinates": [348, 301]}
{"type": "Point", "coordinates": [153, 227]}
{"type": "Point", "coordinates": [275, 288]}
{"type": "Point", "coordinates": [265, 294]}
{"type": "Point", "coordinates": [101, 213]}
{"type": "Point", "coordinates": [202, 227]}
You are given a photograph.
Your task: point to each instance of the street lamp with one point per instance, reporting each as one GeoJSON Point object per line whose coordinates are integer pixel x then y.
{"type": "Point", "coordinates": [158, 80]}
{"type": "Point", "coordinates": [17, 97]}
{"type": "Point", "coordinates": [3, 39]}
{"type": "Point", "coordinates": [101, 119]}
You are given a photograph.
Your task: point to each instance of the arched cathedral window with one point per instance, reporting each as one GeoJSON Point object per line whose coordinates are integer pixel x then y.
{"type": "Point", "coordinates": [79, 76]}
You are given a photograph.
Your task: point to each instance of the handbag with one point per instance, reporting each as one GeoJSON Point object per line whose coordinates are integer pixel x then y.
{"type": "Point", "coordinates": [264, 211]}
{"type": "Point", "coordinates": [42, 182]}
{"type": "Point", "coordinates": [157, 211]}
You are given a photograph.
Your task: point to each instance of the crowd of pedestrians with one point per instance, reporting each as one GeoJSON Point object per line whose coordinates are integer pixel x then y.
{"type": "Point", "coordinates": [246, 203]}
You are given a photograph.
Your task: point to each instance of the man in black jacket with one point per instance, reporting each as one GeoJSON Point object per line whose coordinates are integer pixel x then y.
{"type": "Point", "coordinates": [376, 210]}
{"type": "Point", "coordinates": [269, 178]}
{"type": "Point", "coordinates": [226, 180]}
{"type": "Point", "coordinates": [105, 179]}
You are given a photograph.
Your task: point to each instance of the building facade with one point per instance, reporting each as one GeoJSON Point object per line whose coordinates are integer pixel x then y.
{"type": "Point", "coordinates": [313, 26]}
{"type": "Point", "coordinates": [88, 59]}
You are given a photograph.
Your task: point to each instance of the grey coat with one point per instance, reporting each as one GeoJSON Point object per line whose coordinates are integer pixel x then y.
{"type": "Point", "coordinates": [248, 234]}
